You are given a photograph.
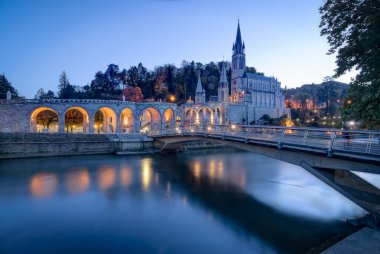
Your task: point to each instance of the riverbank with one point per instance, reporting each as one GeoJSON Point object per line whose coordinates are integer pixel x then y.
{"type": "Point", "coordinates": [24, 145]}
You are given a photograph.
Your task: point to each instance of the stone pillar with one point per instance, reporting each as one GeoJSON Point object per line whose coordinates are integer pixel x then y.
{"type": "Point", "coordinates": [118, 123]}
{"type": "Point", "coordinates": [91, 123]}
{"type": "Point", "coordinates": [61, 122]}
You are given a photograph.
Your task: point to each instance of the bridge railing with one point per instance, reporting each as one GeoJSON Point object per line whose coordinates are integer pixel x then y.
{"type": "Point", "coordinates": [331, 141]}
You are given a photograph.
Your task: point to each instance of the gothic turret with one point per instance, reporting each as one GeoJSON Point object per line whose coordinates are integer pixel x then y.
{"type": "Point", "coordinates": [223, 86]}
{"type": "Point", "coordinates": [200, 94]}
{"type": "Point", "coordinates": [238, 62]}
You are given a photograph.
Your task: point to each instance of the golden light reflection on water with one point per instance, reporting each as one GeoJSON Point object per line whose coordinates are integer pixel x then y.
{"type": "Point", "coordinates": [106, 178]}
{"type": "Point", "coordinates": [211, 169]}
{"type": "Point", "coordinates": [77, 181]}
{"type": "Point", "coordinates": [43, 184]}
{"type": "Point", "coordinates": [146, 173]}
{"type": "Point", "coordinates": [126, 176]}
{"type": "Point", "coordinates": [197, 169]}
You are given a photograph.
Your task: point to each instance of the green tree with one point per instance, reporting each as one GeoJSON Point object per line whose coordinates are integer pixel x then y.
{"type": "Point", "coordinates": [6, 86]}
{"type": "Point", "coordinates": [65, 89]}
{"type": "Point", "coordinates": [352, 30]}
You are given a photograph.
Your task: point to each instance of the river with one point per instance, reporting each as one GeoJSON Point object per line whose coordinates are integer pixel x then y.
{"type": "Point", "coordinates": [210, 201]}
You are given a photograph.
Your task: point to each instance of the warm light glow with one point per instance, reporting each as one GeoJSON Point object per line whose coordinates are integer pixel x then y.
{"type": "Point", "coordinates": [172, 98]}
{"type": "Point", "coordinates": [126, 176]}
{"type": "Point", "coordinates": [106, 178]}
{"type": "Point", "coordinates": [146, 173]}
{"type": "Point", "coordinates": [43, 184]}
{"type": "Point", "coordinates": [233, 126]}
{"type": "Point", "coordinates": [197, 169]}
{"type": "Point", "coordinates": [77, 181]}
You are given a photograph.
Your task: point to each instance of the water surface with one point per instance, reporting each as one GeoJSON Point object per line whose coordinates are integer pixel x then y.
{"type": "Point", "coordinates": [221, 201]}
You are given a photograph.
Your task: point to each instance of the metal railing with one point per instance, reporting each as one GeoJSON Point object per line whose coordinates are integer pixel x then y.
{"type": "Point", "coordinates": [328, 141]}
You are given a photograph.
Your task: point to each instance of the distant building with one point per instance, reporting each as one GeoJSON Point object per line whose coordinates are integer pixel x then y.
{"type": "Point", "coordinates": [252, 95]}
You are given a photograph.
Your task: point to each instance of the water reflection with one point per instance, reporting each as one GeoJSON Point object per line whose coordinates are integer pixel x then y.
{"type": "Point", "coordinates": [106, 177]}
{"type": "Point", "coordinates": [146, 173]}
{"type": "Point", "coordinates": [77, 181]}
{"type": "Point", "coordinates": [224, 202]}
{"type": "Point", "coordinates": [43, 184]}
{"type": "Point", "coordinates": [126, 176]}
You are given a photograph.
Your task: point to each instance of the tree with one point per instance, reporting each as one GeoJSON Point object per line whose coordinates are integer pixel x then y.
{"type": "Point", "coordinates": [6, 86]}
{"type": "Point", "coordinates": [40, 95]}
{"type": "Point", "coordinates": [352, 30]}
{"type": "Point", "coordinates": [160, 88]}
{"type": "Point", "coordinates": [133, 94]}
{"type": "Point", "coordinates": [65, 89]}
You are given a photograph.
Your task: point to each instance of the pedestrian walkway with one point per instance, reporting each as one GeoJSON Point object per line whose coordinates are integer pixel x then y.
{"type": "Point", "coordinates": [366, 241]}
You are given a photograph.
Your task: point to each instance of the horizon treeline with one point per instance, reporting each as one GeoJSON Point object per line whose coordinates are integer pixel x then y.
{"type": "Point", "coordinates": [138, 83]}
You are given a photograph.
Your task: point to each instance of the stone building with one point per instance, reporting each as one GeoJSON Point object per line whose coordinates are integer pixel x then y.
{"type": "Point", "coordinates": [86, 116]}
{"type": "Point", "coordinates": [252, 95]}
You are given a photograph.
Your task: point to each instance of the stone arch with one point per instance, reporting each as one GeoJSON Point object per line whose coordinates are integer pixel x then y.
{"type": "Point", "coordinates": [127, 120]}
{"type": "Point", "coordinates": [76, 120]}
{"type": "Point", "coordinates": [150, 120]}
{"type": "Point", "coordinates": [206, 116]}
{"type": "Point", "coordinates": [105, 120]}
{"type": "Point", "coordinates": [168, 118]}
{"type": "Point", "coordinates": [190, 116]}
{"type": "Point", "coordinates": [44, 119]}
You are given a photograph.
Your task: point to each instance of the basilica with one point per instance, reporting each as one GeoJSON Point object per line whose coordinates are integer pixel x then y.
{"type": "Point", "coordinates": [245, 100]}
{"type": "Point", "coordinates": [252, 95]}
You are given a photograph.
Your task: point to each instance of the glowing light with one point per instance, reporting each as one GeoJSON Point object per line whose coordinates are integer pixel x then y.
{"type": "Point", "coordinates": [233, 126]}
{"type": "Point", "coordinates": [43, 184]}
{"type": "Point", "coordinates": [197, 169]}
{"type": "Point", "coordinates": [125, 176]}
{"type": "Point", "coordinates": [106, 178]}
{"type": "Point", "coordinates": [146, 173]}
{"type": "Point", "coordinates": [77, 181]}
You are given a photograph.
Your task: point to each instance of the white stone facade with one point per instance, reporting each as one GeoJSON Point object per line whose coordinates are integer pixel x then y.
{"type": "Point", "coordinates": [252, 95]}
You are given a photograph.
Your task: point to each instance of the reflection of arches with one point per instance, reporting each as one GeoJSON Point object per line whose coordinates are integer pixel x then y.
{"type": "Point", "coordinates": [168, 118]}
{"type": "Point", "coordinates": [44, 119]}
{"type": "Point", "coordinates": [76, 120]}
{"type": "Point", "coordinates": [126, 120]}
{"type": "Point", "coordinates": [150, 120]}
{"type": "Point", "coordinates": [105, 120]}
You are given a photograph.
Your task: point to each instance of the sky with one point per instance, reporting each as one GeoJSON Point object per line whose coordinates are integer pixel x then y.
{"type": "Point", "coordinates": [42, 38]}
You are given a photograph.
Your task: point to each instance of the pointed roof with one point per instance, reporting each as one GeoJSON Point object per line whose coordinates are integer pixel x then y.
{"type": "Point", "coordinates": [199, 85]}
{"type": "Point", "coordinates": [239, 44]}
{"type": "Point", "coordinates": [223, 76]}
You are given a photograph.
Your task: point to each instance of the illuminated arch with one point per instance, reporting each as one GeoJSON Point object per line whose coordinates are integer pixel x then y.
{"type": "Point", "coordinates": [191, 117]}
{"type": "Point", "coordinates": [105, 120]}
{"type": "Point", "coordinates": [150, 120]}
{"type": "Point", "coordinates": [76, 120]}
{"type": "Point", "coordinates": [126, 120]}
{"type": "Point", "coordinates": [168, 118]}
{"type": "Point", "coordinates": [206, 116]}
{"type": "Point", "coordinates": [44, 119]}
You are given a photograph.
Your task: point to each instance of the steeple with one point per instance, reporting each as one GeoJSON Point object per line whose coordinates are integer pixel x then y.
{"type": "Point", "coordinates": [200, 94]}
{"type": "Point", "coordinates": [199, 85]}
{"type": "Point", "coordinates": [238, 46]}
{"type": "Point", "coordinates": [223, 76]}
{"type": "Point", "coordinates": [223, 86]}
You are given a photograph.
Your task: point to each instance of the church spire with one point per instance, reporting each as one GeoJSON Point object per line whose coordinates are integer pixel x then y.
{"type": "Point", "coordinates": [239, 44]}
{"type": "Point", "coordinates": [199, 85]}
{"type": "Point", "coordinates": [223, 76]}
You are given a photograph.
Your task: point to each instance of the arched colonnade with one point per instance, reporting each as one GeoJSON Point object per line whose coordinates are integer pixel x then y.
{"type": "Point", "coordinates": [101, 119]}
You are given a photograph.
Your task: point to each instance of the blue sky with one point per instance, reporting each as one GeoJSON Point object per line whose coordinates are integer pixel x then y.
{"type": "Point", "coordinates": [42, 38]}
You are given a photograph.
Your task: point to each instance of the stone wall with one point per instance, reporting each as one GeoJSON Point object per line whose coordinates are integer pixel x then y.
{"type": "Point", "coordinates": [16, 115]}
{"type": "Point", "coordinates": [20, 145]}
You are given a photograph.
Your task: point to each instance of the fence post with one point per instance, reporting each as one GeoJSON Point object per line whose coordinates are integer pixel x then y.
{"type": "Point", "coordinates": [330, 148]}
{"type": "Point", "coordinates": [279, 146]}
